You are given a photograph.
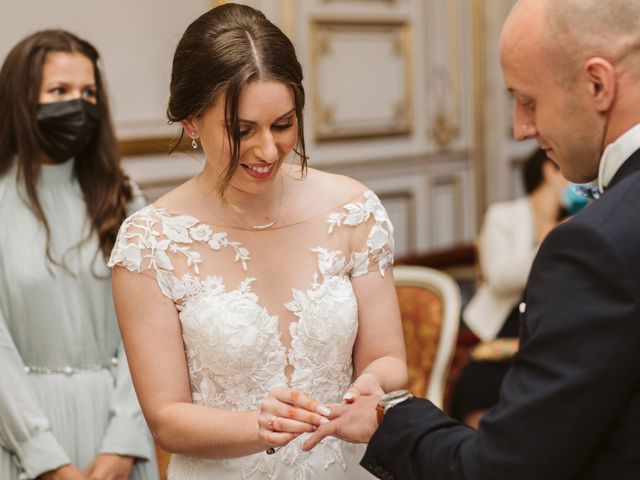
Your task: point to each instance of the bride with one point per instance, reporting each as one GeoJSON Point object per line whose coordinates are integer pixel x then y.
{"type": "Point", "coordinates": [258, 293]}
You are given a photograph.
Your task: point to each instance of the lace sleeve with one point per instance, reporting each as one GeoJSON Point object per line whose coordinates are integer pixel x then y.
{"type": "Point", "coordinates": [136, 247]}
{"type": "Point", "coordinates": [149, 242]}
{"type": "Point", "coordinates": [374, 244]}
{"type": "Point", "coordinates": [166, 247]}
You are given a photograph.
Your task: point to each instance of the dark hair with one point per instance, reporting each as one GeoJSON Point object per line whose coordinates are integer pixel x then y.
{"type": "Point", "coordinates": [223, 51]}
{"type": "Point", "coordinates": [104, 185]}
{"type": "Point", "coordinates": [532, 175]}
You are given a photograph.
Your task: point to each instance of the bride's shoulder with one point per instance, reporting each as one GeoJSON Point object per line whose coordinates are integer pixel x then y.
{"type": "Point", "coordinates": [178, 199]}
{"type": "Point", "coordinates": [333, 190]}
{"type": "Point", "coordinates": [167, 209]}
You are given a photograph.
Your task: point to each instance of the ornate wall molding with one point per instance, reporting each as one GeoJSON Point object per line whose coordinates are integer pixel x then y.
{"type": "Point", "coordinates": [376, 99]}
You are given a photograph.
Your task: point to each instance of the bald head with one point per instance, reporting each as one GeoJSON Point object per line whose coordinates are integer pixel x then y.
{"type": "Point", "coordinates": [597, 25]}
{"type": "Point", "coordinates": [575, 30]}
{"type": "Point", "coordinates": [525, 25]}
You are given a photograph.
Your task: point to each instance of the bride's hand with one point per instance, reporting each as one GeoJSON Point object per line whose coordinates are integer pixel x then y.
{"type": "Point", "coordinates": [365, 384]}
{"type": "Point", "coordinates": [286, 413]}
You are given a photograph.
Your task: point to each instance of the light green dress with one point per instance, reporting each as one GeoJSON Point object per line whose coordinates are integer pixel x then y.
{"type": "Point", "coordinates": [63, 397]}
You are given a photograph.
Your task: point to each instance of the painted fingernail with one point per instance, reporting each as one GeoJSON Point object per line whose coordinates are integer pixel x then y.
{"type": "Point", "coordinates": [322, 410]}
{"type": "Point", "coordinates": [324, 421]}
{"type": "Point", "coordinates": [349, 396]}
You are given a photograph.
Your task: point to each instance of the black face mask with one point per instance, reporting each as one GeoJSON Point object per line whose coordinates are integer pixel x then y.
{"type": "Point", "coordinates": [67, 127]}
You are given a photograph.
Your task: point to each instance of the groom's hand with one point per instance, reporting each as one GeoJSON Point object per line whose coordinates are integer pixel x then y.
{"type": "Point", "coordinates": [355, 422]}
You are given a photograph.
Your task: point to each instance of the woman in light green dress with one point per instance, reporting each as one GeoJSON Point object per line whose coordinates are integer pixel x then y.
{"type": "Point", "coordinates": [67, 405]}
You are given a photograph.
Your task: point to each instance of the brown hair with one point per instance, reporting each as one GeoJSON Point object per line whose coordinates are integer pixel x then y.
{"type": "Point", "coordinates": [104, 185]}
{"type": "Point", "coordinates": [532, 175]}
{"type": "Point", "coordinates": [221, 52]}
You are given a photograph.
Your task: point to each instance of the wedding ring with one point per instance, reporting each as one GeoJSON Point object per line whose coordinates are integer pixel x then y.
{"type": "Point", "coordinates": [272, 450]}
{"type": "Point", "coordinates": [271, 426]}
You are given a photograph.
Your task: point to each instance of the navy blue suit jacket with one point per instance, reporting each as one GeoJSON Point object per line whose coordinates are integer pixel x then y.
{"type": "Point", "coordinates": [570, 405]}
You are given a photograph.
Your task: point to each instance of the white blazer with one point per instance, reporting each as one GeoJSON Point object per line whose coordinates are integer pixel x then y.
{"type": "Point", "coordinates": [506, 248]}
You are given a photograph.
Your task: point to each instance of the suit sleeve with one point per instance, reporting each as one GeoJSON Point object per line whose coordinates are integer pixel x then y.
{"type": "Point", "coordinates": [572, 376]}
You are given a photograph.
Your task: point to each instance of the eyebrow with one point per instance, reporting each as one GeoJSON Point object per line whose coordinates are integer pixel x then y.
{"type": "Point", "coordinates": [281, 117]}
{"type": "Point", "coordinates": [66, 84]}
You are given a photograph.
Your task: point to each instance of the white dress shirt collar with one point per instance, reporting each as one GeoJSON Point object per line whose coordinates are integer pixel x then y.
{"type": "Point", "coordinates": [616, 154]}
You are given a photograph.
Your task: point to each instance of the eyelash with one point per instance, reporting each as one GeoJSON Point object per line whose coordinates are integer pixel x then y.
{"type": "Point", "coordinates": [280, 128]}
{"type": "Point", "coordinates": [61, 91]}
{"type": "Point", "coordinates": [527, 103]}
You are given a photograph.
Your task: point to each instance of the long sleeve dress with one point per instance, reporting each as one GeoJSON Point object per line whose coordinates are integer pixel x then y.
{"type": "Point", "coordinates": [265, 309]}
{"type": "Point", "coordinates": [65, 390]}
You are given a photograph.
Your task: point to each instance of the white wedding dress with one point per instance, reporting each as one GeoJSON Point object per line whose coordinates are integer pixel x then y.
{"type": "Point", "coordinates": [262, 309]}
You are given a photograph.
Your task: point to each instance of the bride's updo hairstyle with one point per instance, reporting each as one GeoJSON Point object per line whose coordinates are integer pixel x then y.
{"type": "Point", "coordinates": [219, 54]}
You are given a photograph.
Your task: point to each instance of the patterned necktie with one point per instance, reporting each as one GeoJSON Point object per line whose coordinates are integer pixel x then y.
{"type": "Point", "coordinates": [588, 191]}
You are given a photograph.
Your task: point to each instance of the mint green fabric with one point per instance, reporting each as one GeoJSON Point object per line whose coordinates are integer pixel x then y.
{"type": "Point", "coordinates": [58, 317]}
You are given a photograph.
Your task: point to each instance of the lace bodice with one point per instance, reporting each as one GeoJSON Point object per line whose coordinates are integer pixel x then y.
{"type": "Point", "coordinates": [264, 309]}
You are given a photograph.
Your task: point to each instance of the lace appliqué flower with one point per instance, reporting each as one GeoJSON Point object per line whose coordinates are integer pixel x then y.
{"type": "Point", "coordinates": [147, 237]}
{"type": "Point", "coordinates": [380, 243]}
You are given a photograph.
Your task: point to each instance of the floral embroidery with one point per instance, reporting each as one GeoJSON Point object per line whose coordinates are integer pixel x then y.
{"type": "Point", "coordinates": [176, 230]}
{"type": "Point", "coordinates": [233, 344]}
{"type": "Point", "coordinates": [380, 240]}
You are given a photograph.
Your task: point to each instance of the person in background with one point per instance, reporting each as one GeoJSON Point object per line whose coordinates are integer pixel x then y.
{"type": "Point", "coordinates": [254, 294]}
{"type": "Point", "coordinates": [67, 406]}
{"type": "Point", "coordinates": [509, 239]}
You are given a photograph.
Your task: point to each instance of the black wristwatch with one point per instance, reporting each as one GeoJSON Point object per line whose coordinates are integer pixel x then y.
{"type": "Point", "coordinates": [391, 399]}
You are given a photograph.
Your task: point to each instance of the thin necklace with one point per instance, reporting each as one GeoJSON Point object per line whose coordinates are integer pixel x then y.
{"type": "Point", "coordinates": [263, 226]}
{"type": "Point", "coordinates": [268, 225]}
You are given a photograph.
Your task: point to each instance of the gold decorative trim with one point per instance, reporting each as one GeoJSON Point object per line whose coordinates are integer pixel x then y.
{"type": "Point", "coordinates": [454, 33]}
{"type": "Point", "coordinates": [446, 122]}
{"type": "Point", "coordinates": [478, 35]}
{"type": "Point", "coordinates": [326, 128]}
{"type": "Point", "coordinates": [152, 145]}
{"type": "Point", "coordinates": [444, 129]}
{"type": "Point", "coordinates": [287, 15]}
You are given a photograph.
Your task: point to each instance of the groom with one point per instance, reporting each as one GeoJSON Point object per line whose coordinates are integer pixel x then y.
{"type": "Point", "coordinates": [570, 406]}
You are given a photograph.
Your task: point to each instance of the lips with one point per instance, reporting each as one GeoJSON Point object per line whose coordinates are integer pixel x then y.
{"type": "Point", "coordinates": [258, 171]}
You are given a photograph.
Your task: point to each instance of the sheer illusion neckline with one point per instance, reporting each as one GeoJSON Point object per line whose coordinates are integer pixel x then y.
{"type": "Point", "coordinates": [211, 223]}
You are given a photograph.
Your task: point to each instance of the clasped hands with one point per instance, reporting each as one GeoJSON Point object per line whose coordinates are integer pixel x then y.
{"type": "Point", "coordinates": [287, 413]}
{"type": "Point", "coordinates": [105, 467]}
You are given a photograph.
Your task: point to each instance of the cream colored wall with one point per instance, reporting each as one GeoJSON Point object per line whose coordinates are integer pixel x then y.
{"type": "Point", "coordinates": [389, 84]}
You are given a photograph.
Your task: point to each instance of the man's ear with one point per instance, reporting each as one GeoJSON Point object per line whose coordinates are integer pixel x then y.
{"type": "Point", "coordinates": [189, 128]}
{"type": "Point", "coordinates": [601, 78]}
